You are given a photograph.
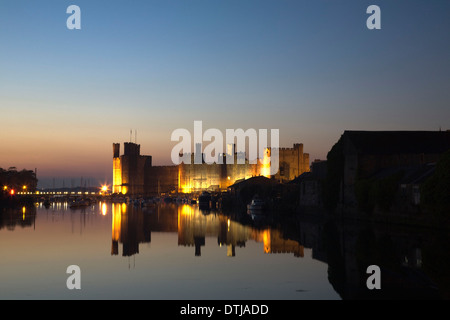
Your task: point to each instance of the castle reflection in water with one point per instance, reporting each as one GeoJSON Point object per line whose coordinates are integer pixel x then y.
{"type": "Point", "coordinates": [132, 226]}
{"type": "Point", "coordinates": [413, 260]}
{"type": "Point", "coordinates": [410, 258]}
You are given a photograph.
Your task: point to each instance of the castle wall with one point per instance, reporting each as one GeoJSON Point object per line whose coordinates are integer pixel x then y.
{"type": "Point", "coordinates": [214, 177]}
{"type": "Point", "coordinates": [197, 177]}
{"type": "Point", "coordinates": [161, 179]}
{"type": "Point", "coordinates": [134, 168]}
{"type": "Point", "coordinates": [129, 169]}
{"type": "Point", "coordinates": [134, 174]}
{"type": "Point", "coordinates": [117, 176]}
{"type": "Point", "coordinates": [292, 163]}
{"type": "Point", "coordinates": [117, 169]}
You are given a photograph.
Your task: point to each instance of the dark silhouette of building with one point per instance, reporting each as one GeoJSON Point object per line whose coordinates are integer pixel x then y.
{"type": "Point", "coordinates": [361, 155]}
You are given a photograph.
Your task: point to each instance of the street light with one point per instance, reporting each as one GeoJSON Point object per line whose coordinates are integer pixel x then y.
{"type": "Point", "coordinates": [104, 190]}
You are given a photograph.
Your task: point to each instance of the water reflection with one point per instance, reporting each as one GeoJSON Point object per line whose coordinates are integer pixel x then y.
{"type": "Point", "coordinates": [413, 261]}
{"type": "Point", "coordinates": [410, 258]}
{"type": "Point", "coordinates": [132, 225]}
{"type": "Point", "coordinates": [23, 216]}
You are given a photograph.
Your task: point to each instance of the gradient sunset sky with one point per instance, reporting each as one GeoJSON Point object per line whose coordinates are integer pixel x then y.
{"type": "Point", "coordinates": [311, 69]}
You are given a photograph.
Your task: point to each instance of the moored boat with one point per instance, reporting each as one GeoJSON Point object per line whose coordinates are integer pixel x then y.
{"type": "Point", "coordinates": [81, 203]}
{"type": "Point", "coordinates": [256, 206]}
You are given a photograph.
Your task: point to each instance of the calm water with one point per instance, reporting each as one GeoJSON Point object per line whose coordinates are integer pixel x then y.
{"type": "Point", "coordinates": [180, 252]}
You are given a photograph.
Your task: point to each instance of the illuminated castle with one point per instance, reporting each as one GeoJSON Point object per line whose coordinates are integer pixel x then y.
{"type": "Point", "coordinates": [133, 173]}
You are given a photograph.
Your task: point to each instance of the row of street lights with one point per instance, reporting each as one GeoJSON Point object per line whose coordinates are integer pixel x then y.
{"type": "Point", "coordinates": [103, 191]}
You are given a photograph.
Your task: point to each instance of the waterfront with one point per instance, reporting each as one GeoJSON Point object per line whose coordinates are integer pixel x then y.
{"type": "Point", "coordinates": [177, 251]}
{"type": "Point", "coordinates": [151, 263]}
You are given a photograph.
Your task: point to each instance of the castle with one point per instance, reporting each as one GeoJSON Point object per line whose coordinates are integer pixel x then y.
{"type": "Point", "coordinates": [134, 174]}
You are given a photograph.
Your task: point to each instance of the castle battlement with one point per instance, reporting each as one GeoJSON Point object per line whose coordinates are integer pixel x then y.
{"type": "Point", "coordinates": [133, 173]}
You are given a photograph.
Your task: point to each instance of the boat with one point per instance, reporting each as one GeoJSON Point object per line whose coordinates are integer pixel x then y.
{"type": "Point", "coordinates": [82, 203]}
{"type": "Point", "coordinates": [256, 206]}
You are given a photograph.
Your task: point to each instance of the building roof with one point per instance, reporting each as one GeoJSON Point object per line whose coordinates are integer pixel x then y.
{"type": "Point", "coordinates": [253, 180]}
{"type": "Point", "coordinates": [399, 142]}
{"type": "Point", "coordinates": [303, 177]}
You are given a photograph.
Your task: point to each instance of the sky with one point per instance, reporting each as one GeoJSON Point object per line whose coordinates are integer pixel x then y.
{"type": "Point", "coordinates": [311, 69]}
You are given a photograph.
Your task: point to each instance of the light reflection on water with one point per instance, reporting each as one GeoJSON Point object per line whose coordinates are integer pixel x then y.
{"type": "Point", "coordinates": [167, 251]}
{"type": "Point", "coordinates": [171, 251]}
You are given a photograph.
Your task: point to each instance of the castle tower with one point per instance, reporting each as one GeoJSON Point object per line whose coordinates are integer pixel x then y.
{"type": "Point", "coordinates": [299, 168]}
{"type": "Point", "coordinates": [117, 169]}
{"type": "Point", "coordinates": [116, 150]}
{"type": "Point", "coordinates": [129, 169]}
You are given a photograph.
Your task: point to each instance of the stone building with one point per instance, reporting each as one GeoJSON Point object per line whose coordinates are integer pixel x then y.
{"type": "Point", "coordinates": [133, 173]}
{"type": "Point", "coordinates": [367, 153]}
{"type": "Point", "coordinates": [292, 163]}
{"type": "Point", "coordinates": [129, 169]}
